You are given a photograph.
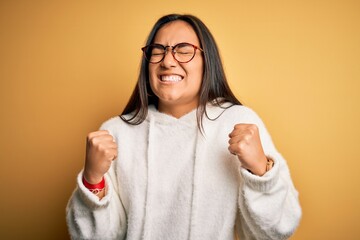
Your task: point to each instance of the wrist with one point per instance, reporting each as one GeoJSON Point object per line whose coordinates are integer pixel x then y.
{"type": "Point", "coordinates": [269, 164]}
{"type": "Point", "coordinates": [92, 178]}
{"type": "Point", "coordinates": [263, 168]}
{"type": "Point", "coordinates": [94, 188]}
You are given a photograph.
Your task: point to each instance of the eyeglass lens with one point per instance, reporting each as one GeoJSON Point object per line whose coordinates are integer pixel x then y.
{"type": "Point", "coordinates": [182, 52]}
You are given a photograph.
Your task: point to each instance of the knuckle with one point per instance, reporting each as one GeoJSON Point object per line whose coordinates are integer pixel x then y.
{"type": "Point", "coordinates": [93, 141]}
{"type": "Point", "coordinates": [109, 137]}
{"type": "Point", "coordinates": [89, 136]}
{"type": "Point", "coordinates": [241, 146]}
{"type": "Point", "coordinates": [100, 147]}
{"type": "Point", "coordinates": [106, 152]}
{"type": "Point", "coordinates": [231, 150]}
{"type": "Point", "coordinates": [253, 127]}
{"type": "Point", "coordinates": [248, 137]}
{"type": "Point", "coordinates": [239, 125]}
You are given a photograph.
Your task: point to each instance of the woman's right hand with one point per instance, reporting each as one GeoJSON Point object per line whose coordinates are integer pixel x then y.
{"type": "Point", "coordinates": [101, 150]}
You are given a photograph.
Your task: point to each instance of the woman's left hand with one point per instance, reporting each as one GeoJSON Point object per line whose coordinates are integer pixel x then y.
{"type": "Point", "coordinates": [246, 145]}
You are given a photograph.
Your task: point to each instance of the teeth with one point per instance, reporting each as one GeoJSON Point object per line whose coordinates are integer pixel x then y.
{"type": "Point", "coordinates": [171, 78]}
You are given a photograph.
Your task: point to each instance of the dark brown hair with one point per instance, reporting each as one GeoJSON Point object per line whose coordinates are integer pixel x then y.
{"type": "Point", "coordinates": [214, 86]}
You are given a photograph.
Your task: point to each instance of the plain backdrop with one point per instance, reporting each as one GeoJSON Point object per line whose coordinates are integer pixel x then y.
{"type": "Point", "coordinates": [67, 66]}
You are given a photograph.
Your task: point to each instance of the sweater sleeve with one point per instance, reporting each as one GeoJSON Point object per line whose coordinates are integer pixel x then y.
{"type": "Point", "coordinates": [269, 205]}
{"type": "Point", "coordinates": [90, 218]}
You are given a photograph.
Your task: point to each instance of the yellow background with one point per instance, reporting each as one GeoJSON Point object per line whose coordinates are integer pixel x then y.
{"type": "Point", "coordinates": [67, 66]}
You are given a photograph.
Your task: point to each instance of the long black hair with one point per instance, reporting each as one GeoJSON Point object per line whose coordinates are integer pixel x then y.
{"type": "Point", "coordinates": [214, 87]}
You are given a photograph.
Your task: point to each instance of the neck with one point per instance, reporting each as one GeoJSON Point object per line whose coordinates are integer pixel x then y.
{"type": "Point", "coordinates": [176, 111]}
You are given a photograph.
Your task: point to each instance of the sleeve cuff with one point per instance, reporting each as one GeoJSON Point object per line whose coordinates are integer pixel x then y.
{"type": "Point", "coordinates": [90, 199]}
{"type": "Point", "coordinates": [262, 183]}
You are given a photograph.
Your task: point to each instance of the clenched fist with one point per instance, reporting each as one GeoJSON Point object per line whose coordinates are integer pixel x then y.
{"type": "Point", "coordinates": [246, 145]}
{"type": "Point", "coordinates": [101, 150]}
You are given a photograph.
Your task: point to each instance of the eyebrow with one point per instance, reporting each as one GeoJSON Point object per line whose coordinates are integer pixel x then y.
{"type": "Point", "coordinates": [174, 44]}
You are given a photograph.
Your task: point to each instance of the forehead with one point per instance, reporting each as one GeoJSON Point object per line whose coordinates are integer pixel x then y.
{"type": "Point", "coordinates": [176, 32]}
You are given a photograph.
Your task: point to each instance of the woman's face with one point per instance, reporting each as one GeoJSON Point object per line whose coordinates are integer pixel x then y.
{"type": "Point", "coordinates": [177, 85]}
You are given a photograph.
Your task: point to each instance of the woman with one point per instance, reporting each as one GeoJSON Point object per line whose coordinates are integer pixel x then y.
{"type": "Point", "coordinates": [185, 160]}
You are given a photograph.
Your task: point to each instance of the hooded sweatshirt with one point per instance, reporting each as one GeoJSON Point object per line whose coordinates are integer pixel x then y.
{"type": "Point", "coordinates": [171, 181]}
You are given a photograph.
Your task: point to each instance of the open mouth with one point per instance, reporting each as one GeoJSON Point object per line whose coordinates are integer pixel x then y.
{"type": "Point", "coordinates": [171, 78]}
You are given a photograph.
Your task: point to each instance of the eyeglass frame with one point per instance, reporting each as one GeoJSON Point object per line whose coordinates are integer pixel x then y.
{"type": "Point", "coordinates": [144, 49]}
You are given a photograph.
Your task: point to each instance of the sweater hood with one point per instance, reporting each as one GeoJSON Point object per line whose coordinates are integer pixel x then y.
{"type": "Point", "coordinates": [157, 117]}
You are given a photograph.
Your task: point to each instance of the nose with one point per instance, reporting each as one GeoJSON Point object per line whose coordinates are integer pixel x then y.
{"type": "Point", "coordinates": [169, 60]}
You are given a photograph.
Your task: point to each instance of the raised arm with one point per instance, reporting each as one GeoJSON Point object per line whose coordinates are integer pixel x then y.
{"type": "Point", "coordinates": [97, 214]}
{"type": "Point", "coordinates": [268, 201]}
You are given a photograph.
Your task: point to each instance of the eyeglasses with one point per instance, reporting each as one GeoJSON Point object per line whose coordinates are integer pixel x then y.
{"type": "Point", "coordinates": [182, 52]}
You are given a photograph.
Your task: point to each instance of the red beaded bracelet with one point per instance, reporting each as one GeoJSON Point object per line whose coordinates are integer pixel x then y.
{"type": "Point", "coordinates": [94, 188]}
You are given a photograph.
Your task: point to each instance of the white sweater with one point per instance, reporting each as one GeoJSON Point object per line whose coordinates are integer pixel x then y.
{"type": "Point", "coordinates": [172, 182]}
